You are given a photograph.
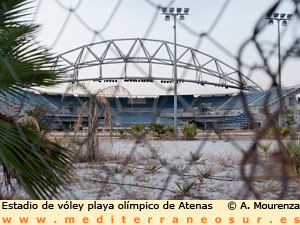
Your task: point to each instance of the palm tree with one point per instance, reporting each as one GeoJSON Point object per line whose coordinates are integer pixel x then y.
{"type": "Point", "coordinates": [95, 99]}
{"type": "Point", "coordinates": [39, 166]}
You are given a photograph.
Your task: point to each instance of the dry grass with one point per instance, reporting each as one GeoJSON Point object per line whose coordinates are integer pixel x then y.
{"type": "Point", "coordinates": [150, 162]}
{"type": "Point", "coordinates": [195, 158]}
{"type": "Point", "coordinates": [152, 154]}
{"type": "Point", "coordinates": [227, 160]}
{"type": "Point", "coordinates": [267, 187]}
{"type": "Point", "coordinates": [272, 171]}
{"type": "Point", "coordinates": [152, 166]}
{"type": "Point", "coordinates": [208, 171]}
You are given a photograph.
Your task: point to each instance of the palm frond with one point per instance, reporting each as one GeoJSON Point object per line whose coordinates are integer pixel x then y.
{"type": "Point", "coordinates": [11, 11]}
{"type": "Point", "coordinates": [78, 123]}
{"type": "Point", "coordinates": [39, 166]}
{"type": "Point", "coordinates": [22, 62]}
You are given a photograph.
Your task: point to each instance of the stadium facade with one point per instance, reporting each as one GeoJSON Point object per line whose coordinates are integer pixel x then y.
{"type": "Point", "coordinates": [223, 111]}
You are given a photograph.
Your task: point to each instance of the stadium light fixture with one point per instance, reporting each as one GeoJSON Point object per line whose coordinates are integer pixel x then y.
{"type": "Point", "coordinates": [181, 15]}
{"type": "Point", "coordinates": [282, 15]}
{"type": "Point", "coordinates": [164, 9]}
{"type": "Point", "coordinates": [284, 23]}
{"type": "Point", "coordinates": [271, 22]}
{"type": "Point", "coordinates": [279, 17]}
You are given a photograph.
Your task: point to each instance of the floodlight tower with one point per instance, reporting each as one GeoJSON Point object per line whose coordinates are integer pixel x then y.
{"type": "Point", "coordinates": [279, 17]}
{"type": "Point", "coordinates": [171, 12]}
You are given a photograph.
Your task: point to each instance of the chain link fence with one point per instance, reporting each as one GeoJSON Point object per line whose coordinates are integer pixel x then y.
{"type": "Point", "coordinates": [259, 163]}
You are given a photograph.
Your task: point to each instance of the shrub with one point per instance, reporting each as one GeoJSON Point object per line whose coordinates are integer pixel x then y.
{"type": "Point", "coordinates": [293, 151]}
{"type": "Point", "coordinates": [284, 132]}
{"type": "Point", "coordinates": [189, 131]}
{"type": "Point", "coordinates": [122, 133]}
{"type": "Point", "coordinates": [39, 113]}
{"type": "Point", "coordinates": [218, 132]}
{"type": "Point", "coordinates": [169, 129]}
{"type": "Point", "coordinates": [158, 128]}
{"type": "Point", "coordinates": [138, 129]}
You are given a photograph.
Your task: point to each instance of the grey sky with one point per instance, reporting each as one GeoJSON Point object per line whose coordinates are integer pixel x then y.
{"type": "Point", "coordinates": [64, 30]}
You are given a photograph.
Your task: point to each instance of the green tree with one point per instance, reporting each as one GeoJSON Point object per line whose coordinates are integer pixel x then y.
{"type": "Point", "coordinates": [39, 166]}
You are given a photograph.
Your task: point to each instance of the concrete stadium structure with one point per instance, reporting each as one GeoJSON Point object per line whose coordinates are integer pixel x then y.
{"type": "Point", "coordinates": [224, 111]}
{"type": "Point", "coordinates": [154, 61]}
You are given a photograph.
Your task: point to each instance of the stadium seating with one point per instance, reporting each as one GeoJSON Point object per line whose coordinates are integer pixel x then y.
{"type": "Point", "coordinates": [167, 102]}
{"type": "Point", "coordinates": [133, 118]}
{"type": "Point", "coordinates": [269, 96]}
{"type": "Point", "coordinates": [215, 101]}
{"type": "Point", "coordinates": [141, 103]}
{"type": "Point", "coordinates": [237, 102]}
{"type": "Point", "coordinates": [240, 121]}
{"type": "Point", "coordinates": [150, 110]}
{"type": "Point", "coordinates": [54, 99]}
{"type": "Point", "coordinates": [15, 100]}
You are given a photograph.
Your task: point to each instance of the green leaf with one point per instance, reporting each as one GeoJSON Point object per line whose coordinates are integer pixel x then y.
{"type": "Point", "coordinates": [40, 166]}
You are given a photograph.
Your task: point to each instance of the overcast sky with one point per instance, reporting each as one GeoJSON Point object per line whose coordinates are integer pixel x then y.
{"type": "Point", "coordinates": [64, 29]}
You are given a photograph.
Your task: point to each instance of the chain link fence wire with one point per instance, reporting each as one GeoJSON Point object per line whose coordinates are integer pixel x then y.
{"type": "Point", "coordinates": [216, 165]}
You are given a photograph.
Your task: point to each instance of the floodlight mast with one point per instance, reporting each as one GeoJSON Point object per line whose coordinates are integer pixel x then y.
{"type": "Point", "coordinates": [284, 18]}
{"type": "Point", "coordinates": [168, 12]}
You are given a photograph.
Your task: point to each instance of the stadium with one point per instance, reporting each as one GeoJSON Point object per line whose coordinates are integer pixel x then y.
{"type": "Point", "coordinates": [223, 111]}
{"type": "Point", "coordinates": [98, 62]}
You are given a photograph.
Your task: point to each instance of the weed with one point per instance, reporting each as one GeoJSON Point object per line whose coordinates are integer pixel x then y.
{"type": "Point", "coordinates": [225, 160]}
{"type": "Point", "coordinates": [185, 188]}
{"type": "Point", "coordinates": [116, 169]}
{"type": "Point", "coordinates": [152, 167]}
{"type": "Point", "coordinates": [163, 162]}
{"type": "Point", "coordinates": [195, 157]}
{"type": "Point", "coordinates": [129, 171]}
{"type": "Point", "coordinates": [208, 171]}
{"type": "Point", "coordinates": [264, 148]}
